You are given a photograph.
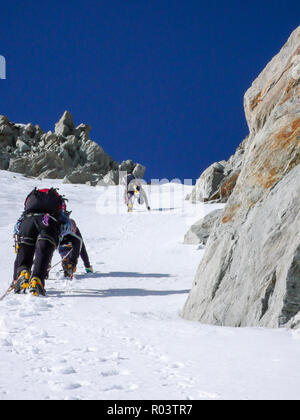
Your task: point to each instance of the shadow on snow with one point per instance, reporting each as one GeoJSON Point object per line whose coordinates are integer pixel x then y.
{"type": "Point", "coordinates": [113, 293]}
{"type": "Point", "coordinates": [122, 274]}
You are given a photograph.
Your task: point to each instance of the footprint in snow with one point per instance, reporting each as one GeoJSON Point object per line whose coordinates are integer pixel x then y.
{"type": "Point", "coordinates": [113, 388]}
{"type": "Point", "coordinates": [109, 373]}
{"type": "Point", "coordinates": [5, 343]}
{"type": "Point", "coordinates": [66, 387]}
{"type": "Point", "coordinates": [69, 370]}
{"type": "Point", "coordinates": [91, 350]}
{"type": "Point", "coordinates": [177, 365]}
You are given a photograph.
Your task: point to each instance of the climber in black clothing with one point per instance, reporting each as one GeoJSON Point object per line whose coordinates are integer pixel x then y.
{"type": "Point", "coordinates": [71, 246]}
{"type": "Point", "coordinates": [36, 235]}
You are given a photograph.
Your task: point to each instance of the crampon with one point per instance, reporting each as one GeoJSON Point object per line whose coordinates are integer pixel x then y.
{"type": "Point", "coordinates": [36, 287]}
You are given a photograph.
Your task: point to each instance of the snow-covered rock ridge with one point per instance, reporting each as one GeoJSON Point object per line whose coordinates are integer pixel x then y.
{"type": "Point", "coordinates": [68, 153]}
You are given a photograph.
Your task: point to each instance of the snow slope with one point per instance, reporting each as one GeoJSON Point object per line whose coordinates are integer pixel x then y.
{"type": "Point", "coordinates": [117, 334]}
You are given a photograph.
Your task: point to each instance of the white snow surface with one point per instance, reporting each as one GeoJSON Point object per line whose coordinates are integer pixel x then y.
{"type": "Point", "coordinates": [118, 334]}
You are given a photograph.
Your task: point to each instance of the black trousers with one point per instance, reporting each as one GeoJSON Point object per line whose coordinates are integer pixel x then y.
{"type": "Point", "coordinates": [75, 245]}
{"type": "Point", "coordinates": [78, 249]}
{"type": "Point", "coordinates": [37, 243]}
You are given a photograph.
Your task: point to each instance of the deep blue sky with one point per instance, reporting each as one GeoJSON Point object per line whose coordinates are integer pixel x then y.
{"type": "Point", "coordinates": [160, 81]}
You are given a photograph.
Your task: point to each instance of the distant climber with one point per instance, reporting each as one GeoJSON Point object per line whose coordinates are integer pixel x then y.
{"type": "Point", "coordinates": [71, 246]}
{"type": "Point", "coordinates": [134, 191]}
{"type": "Point", "coordinates": [36, 238]}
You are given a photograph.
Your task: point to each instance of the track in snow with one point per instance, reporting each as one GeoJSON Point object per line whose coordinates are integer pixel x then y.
{"type": "Point", "coordinates": [118, 334]}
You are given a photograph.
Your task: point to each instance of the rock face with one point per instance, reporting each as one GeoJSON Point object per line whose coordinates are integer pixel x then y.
{"type": "Point", "coordinates": [208, 183]}
{"type": "Point", "coordinates": [67, 154]}
{"type": "Point", "coordinates": [200, 231]}
{"type": "Point", "coordinates": [250, 274]}
{"type": "Point", "coordinates": [219, 180]}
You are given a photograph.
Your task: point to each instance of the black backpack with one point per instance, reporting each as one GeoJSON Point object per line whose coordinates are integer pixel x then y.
{"type": "Point", "coordinates": [45, 201]}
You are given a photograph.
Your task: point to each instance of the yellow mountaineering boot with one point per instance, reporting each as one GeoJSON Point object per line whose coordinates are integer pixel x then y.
{"type": "Point", "coordinates": [22, 284]}
{"type": "Point", "coordinates": [69, 269]}
{"type": "Point", "coordinates": [130, 207]}
{"type": "Point", "coordinates": [36, 287]}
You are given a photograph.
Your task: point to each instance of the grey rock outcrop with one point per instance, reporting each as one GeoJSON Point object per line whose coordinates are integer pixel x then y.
{"type": "Point", "coordinates": [218, 181]}
{"type": "Point", "coordinates": [200, 231]}
{"type": "Point", "coordinates": [139, 171]}
{"type": "Point", "coordinates": [65, 126]}
{"type": "Point", "coordinates": [67, 154]}
{"type": "Point", "coordinates": [208, 183]}
{"type": "Point", "coordinates": [250, 273]}
{"type": "Point", "coordinates": [110, 179]}
{"type": "Point", "coordinates": [127, 166]}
